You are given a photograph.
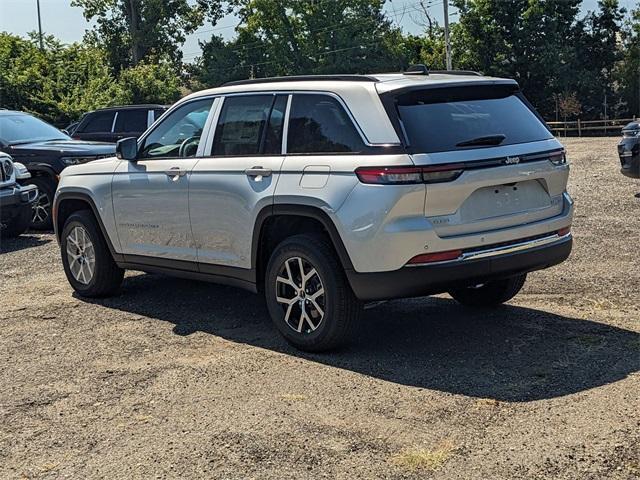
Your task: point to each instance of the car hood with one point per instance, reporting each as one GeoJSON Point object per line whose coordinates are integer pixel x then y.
{"type": "Point", "coordinates": [71, 147]}
{"type": "Point", "coordinates": [104, 165]}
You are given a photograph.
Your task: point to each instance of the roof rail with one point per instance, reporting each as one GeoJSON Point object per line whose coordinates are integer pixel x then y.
{"type": "Point", "coordinates": [457, 72]}
{"type": "Point", "coordinates": [304, 78]}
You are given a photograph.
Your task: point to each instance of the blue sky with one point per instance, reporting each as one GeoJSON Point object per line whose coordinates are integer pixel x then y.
{"type": "Point", "coordinates": [68, 24]}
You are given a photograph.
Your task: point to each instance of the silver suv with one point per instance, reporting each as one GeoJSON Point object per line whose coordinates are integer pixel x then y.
{"type": "Point", "coordinates": [326, 192]}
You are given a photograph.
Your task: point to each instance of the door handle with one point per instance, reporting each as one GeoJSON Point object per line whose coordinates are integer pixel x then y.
{"type": "Point", "coordinates": [175, 173]}
{"type": "Point", "coordinates": [258, 172]}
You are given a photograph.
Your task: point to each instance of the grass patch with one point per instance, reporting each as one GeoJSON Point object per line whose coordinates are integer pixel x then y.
{"type": "Point", "coordinates": [424, 458]}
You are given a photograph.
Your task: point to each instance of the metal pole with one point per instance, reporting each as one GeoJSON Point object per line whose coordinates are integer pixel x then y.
{"type": "Point", "coordinates": [40, 26]}
{"type": "Point", "coordinates": [445, 6]}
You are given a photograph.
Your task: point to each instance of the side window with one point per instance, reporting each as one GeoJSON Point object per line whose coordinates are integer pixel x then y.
{"type": "Point", "coordinates": [178, 135]}
{"type": "Point", "coordinates": [247, 122]}
{"type": "Point", "coordinates": [131, 121]}
{"type": "Point", "coordinates": [157, 113]}
{"type": "Point", "coordinates": [319, 124]}
{"type": "Point", "coordinates": [98, 122]}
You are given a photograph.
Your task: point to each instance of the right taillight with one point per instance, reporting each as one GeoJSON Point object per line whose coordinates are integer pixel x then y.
{"type": "Point", "coordinates": [559, 158]}
{"type": "Point", "coordinates": [409, 175]}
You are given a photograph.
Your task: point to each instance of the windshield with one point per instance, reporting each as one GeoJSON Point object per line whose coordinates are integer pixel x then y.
{"type": "Point", "coordinates": [22, 128]}
{"type": "Point", "coordinates": [459, 119]}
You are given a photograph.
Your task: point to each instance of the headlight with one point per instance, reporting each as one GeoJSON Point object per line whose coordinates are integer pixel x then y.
{"type": "Point", "coordinates": [21, 171]}
{"type": "Point", "coordinates": [76, 160]}
{"type": "Point", "coordinates": [631, 133]}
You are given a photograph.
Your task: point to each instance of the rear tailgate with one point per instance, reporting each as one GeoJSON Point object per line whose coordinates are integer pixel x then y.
{"type": "Point", "coordinates": [488, 159]}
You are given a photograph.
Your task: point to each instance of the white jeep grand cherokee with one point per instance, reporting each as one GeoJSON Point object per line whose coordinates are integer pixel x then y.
{"type": "Point", "coordinates": [325, 192]}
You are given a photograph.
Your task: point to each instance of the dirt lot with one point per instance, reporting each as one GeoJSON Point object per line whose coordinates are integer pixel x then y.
{"type": "Point", "coordinates": [179, 379]}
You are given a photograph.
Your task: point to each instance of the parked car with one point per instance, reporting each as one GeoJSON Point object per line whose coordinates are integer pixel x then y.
{"type": "Point", "coordinates": [45, 151]}
{"type": "Point", "coordinates": [629, 150]}
{"type": "Point", "coordinates": [112, 124]}
{"type": "Point", "coordinates": [16, 201]}
{"type": "Point", "coordinates": [325, 192]}
{"type": "Point", "coordinates": [69, 129]}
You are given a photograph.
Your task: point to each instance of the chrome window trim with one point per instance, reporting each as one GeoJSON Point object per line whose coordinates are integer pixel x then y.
{"type": "Point", "coordinates": [503, 250]}
{"type": "Point", "coordinates": [113, 124]}
{"type": "Point", "coordinates": [334, 95]}
{"type": "Point", "coordinates": [150, 117]}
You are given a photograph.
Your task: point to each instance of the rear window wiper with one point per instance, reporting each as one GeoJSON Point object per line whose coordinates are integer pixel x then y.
{"type": "Point", "coordinates": [485, 140]}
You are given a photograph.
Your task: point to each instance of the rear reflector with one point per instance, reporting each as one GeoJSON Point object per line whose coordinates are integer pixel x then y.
{"type": "Point", "coordinates": [436, 257]}
{"type": "Point", "coordinates": [564, 231]}
{"type": "Point", "coordinates": [409, 175]}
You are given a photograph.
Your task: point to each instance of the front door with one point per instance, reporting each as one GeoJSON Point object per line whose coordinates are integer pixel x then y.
{"type": "Point", "coordinates": [236, 179]}
{"type": "Point", "coordinates": [151, 195]}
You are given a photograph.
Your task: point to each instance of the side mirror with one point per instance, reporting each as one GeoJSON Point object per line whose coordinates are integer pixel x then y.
{"type": "Point", "coordinates": [127, 149]}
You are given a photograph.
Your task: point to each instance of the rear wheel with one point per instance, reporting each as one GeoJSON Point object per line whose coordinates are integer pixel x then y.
{"type": "Point", "coordinates": [87, 261]}
{"type": "Point", "coordinates": [41, 217]}
{"type": "Point", "coordinates": [308, 296]}
{"type": "Point", "coordinates": [491, 293]}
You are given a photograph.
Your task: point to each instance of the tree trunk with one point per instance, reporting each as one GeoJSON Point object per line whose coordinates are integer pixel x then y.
{"type": "Point", "coordinates": [133, 19]}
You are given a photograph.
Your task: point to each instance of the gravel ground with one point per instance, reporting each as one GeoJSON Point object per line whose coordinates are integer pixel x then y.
{"type": "Point", "coordinates": [179, 379]}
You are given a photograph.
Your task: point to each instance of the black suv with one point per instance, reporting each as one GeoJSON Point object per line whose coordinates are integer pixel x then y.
{"type": "Point", "coordinates": [629, 150]}
{"type": "Point", "coordinates": [45, 151]}
{"type": "Point", "coordinates": [113, 123]}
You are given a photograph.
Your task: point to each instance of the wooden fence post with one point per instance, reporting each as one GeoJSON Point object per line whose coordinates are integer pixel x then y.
{"type": "Point", "coordinates": [579, 129]}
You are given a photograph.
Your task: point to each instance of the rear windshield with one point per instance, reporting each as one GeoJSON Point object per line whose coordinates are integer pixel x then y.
{"type": "Point", "coordinates": [439, 120]}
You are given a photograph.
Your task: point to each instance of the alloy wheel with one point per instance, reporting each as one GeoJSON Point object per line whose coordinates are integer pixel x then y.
{"type": "Point", "coordinates": [81, 255]}
{"type": "Point", "coordinates": [41, 208]}
{"type": "Point", "coordinates": [300, 292]}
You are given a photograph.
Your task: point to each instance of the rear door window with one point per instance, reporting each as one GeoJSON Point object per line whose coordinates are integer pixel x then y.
{"type": "Point", "coordinates": [250, 125]}
{"type": "Point", "coordinates": [319, 124]}
{"type": "Point", "coordinates": [131, 121]}
{"type": "Point", "coordinates": [99, 122]}
{"type": "Point", "coordinates": [461, 118]}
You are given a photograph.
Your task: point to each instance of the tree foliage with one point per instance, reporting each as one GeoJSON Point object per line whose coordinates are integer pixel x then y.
{"type": "Point", "coordinates": [132, 31]}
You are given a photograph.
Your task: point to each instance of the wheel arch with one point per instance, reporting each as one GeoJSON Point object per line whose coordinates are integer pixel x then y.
{"type": "Point", "coordinates": [310, 217]}
{"type": "Point", "coordinates": [67, 203]}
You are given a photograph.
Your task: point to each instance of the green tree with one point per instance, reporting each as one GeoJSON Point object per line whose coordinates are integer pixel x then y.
{"type": "Point", "coordinates": [151, 30]}
{"type": "Point", "coordinates": [627, 72]}
{"type": "Point", "coordinates": [285, 37]}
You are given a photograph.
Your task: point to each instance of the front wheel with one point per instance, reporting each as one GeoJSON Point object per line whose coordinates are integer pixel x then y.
{"type": "Point", "coordinates": [41, 217]}
{"type": "Point", "coordinates": [87, 261]}
{"type": "Point", "coordinates": [308, 296]}
{"type": "Point", "coordinates": [489, 294]}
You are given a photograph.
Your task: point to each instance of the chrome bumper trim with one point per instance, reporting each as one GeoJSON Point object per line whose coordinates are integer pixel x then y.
{"type": "Point", "coordinates": [504, 250]}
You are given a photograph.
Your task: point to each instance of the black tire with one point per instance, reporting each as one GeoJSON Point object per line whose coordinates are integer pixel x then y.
{"type": "Point", "coordinates": [490, 294]}
{"type": "Point", "coordinates": [107, 276]}
{"type": "Point", "coordinates": [341, 309]}
{"type": "Point", "coordinates": [41, 216]}
{"type": "Point", "coordinates": [18, 224]}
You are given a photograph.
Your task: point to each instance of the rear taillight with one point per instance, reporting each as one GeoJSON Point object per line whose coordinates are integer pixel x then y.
{"type": "Point", "coordinates": [409, 175]}
{"type": "Point", "coordinates": [564, 231]}
{"type": "Point", "coordinates": [559, 158]}
{"type": "Point", "coordinates": [435, 257]}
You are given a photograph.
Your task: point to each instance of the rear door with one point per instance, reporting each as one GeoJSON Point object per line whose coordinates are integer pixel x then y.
{"type": "Point", "coordinates": [489, 161]}
{"type": "Point", "coordinates": [236, 178]}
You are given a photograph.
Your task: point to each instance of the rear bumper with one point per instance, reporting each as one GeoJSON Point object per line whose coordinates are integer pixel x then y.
{"type": "Point", "coordinates": [629, 152]}
{"type": "Point", "coordinates": [416, 281]}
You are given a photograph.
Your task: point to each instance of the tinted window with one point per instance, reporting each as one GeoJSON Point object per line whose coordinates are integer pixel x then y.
{"type": "Point", "coordinates": [273, 137]}
{"type": "Point", "coordinates": [443, 121]}
{"type": "Point", "coordinates": [131, 121]}
{"type": "Point", "coordinates": [98, 122]}
{"type": "Point", "coordinates": [178, 135]}
{"type": "Point", "coordinates": [241, 127]}
{"type": "Point", "coordinates": [319, 124]}
{"type": "Point", "coordinates": [157, 113]}
{"type": "Point", "coordinates": [22, 128]}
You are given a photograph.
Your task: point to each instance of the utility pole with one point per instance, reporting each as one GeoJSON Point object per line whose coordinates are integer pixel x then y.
{"type": "Point", "coordinates": [445, 6]}
{"type": "Point", "coordinates": [40, 26]}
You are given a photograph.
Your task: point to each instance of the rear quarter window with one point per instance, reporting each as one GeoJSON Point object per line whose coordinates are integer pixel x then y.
{"type": "Point", "coordinates": [451, 119]}
{"type": "Point", "coordinates": [98, 122]}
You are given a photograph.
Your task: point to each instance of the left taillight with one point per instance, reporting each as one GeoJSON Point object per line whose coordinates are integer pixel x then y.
{"type": "Point", "coordinates": [408, 175]}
